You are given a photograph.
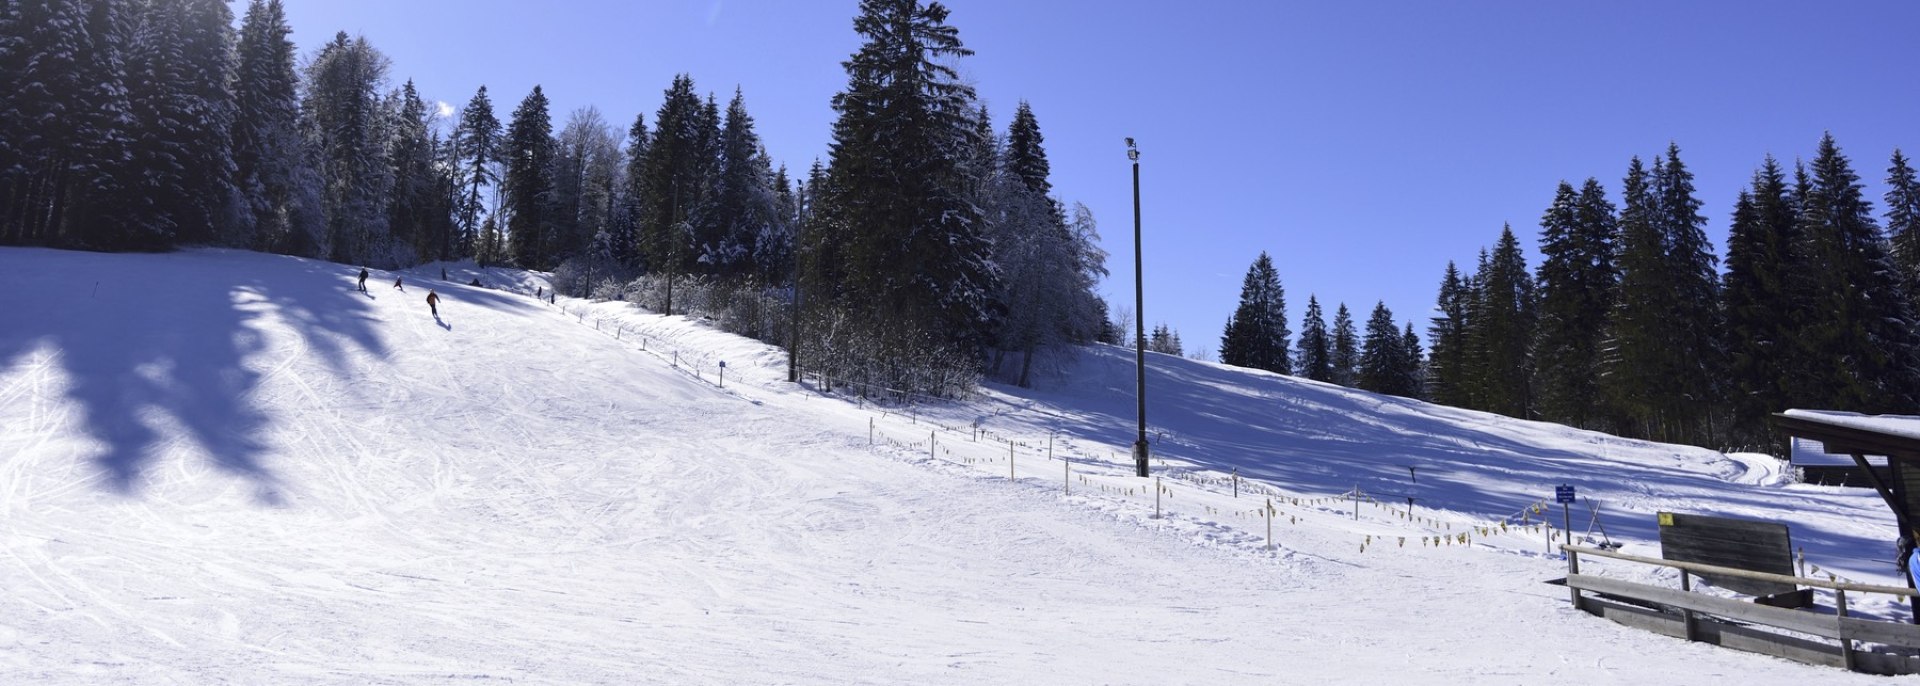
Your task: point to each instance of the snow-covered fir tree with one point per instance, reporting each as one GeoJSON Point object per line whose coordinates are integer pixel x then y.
{"type": "Point", "coordinates": [1315, 356]}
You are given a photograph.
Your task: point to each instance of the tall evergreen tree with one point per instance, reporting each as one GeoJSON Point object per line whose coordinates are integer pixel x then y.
{"type": "Point", "coordinates": [674, 184]}
{"type": "Point", "coordinates": [1576, 282]}
{"type": "Point", "coordinates": [1346, 349]}
{"type": "Point", "coordinates": [1634, 363]}
{"type": "Point", "coordinates": [271, 173]}
{"type": "Point", "coordinates": [1903, 223]}
{"type": "Point", "coordinates": [1316, 352]}
{"type": "Point", "coordinates": [1256, 335]}
{"type": "Point", "coordinates": [1383, 355]}
{"type": "Point", "coordinates": [1504, 322]}
{"type": "Point", "coordinates": [1759, 313]}
{"type": "Point", "coordinates": [747, 217]}
{"type": "Point", "coordinates": [1863, 328]}
{"type": "Point", "coordinates": [477, 147]}
{"type": "Point", "coordinates": [1696, 345]}
{"type": "Point", "coordinates": [527, 189]}
{"type": "Point", "coordinates": [418, 210]}
{"type": "Point", "coordinates": [1413, 374]}
{"type": "Point", "coordinates": [181, 63]}
{"type": "Point", "coordinates": [1447, 334]}
{"type": "Point", "coordinates": [346, 127]}
{"type": "Point", "coordinates": [70, 128]}
{"type": "Point", "coordinates": [917, 262]}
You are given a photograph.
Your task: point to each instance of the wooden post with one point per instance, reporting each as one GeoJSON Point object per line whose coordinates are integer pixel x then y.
{"type": "Point", "coordinates": [1846, 644]}
{"type": "Point", "coordinates": [1356, 502]}
{"type": "Point", "coordinates": [931, 435]}
{"type": "Point", "coordinates": [869, 431]}
{"type": "Point", "coordinates": [1066, 467]}
{"type": "Point", "coordinates": [1156, 497]}
{"type": "Point", "coordinates": [1010, 461]}
{"type": "Point", "coordinates": [1269, 512]}
{"type": "Point", "coordinates": [1236, 482]}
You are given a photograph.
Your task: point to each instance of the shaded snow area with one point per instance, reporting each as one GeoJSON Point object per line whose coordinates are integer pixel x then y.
{"type": "Point", "coordinates": [225, 467]}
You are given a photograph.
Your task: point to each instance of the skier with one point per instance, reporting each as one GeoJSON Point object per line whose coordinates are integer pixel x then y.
{"type": "Point", "coordinates": [363, 279]}
{"type": "Point", "coordinates": [538, 293]}
{"type": "Point", "coordinates": [443, 273]}
{"type": "Point", "coordinates": [396, 285]}
{"type": "Point", "coordinates": [433, 303]}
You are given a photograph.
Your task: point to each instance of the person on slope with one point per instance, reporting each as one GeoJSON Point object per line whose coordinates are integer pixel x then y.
{"type": "Point", "coordinates": [433, 302]}
{"type": "Point", "coordinates": [396, 285]}
{"type": "Point", "coordinates": [363, 279]}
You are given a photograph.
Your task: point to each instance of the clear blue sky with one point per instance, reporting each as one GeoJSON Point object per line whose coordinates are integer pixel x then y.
{"type": "Point", "coordinates": [1362, 144]}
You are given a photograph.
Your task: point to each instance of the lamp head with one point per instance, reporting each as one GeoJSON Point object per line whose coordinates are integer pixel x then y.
{"type": "Point", "coordinates": [1132, 152]}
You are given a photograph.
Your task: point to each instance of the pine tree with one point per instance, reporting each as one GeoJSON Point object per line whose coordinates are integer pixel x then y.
{"type": "Point", "coordinates": [747, 220]}
{"type": "Point", "coordinates": [1382, 355]}
{"type": "Point", "coordinates": [1316, 353]}
{"type": "Point", "coordinates": [527, 189]}
{"type": "Point", "coordinates": [626, 243]}
{"type": "Point", "coordinates": [477, 148]}
{"type": "Point", "coordinates": [1694, 323]}
{"type": "Point", "coordinates": [1861, 325]}
{"type": "Point", "coordinates": [70, 127]}
{"type": "Point", "coordinates": [1413, 376]}
{"type": "Point", "coordinates": [417, 210]}
{"type": "Point", "coordinates": [1447, 332]}
{"type": "Point", "coordinates": [1634, 364]}
{"type": "Point", "coordinates": [1759, 312]}
{"type": "Point", "coordinates": [1164, 340]}
{"type": "Point", "coordinates": [1903, 223]}
{"type": "Point", "coordinates": [1256, 335]}
{"type": "Point", "coordinates": [916, 258]}
{"type": "Point", "coordinates": [674, 185]}
{"type": "Point", "coordinates": [281, 191]}
{"type": "Point", "coordinates": [1346, 349]}
{"type": "Point", "coordinates": [1576, 283]}
{"type": "Point", "coordinates": [1504, 323]}
{"type": "Point", "coordinates": [346, 127]}
{"type": "Point", "coordinates": [180, 63]}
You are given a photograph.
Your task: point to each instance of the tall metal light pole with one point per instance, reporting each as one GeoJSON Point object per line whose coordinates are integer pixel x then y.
{"type": "Point", "coordinates": [1139, 321]}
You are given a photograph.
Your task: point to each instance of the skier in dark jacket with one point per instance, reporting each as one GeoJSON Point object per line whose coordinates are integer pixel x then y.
{"type": "Point", "coordinates": [433, 302]}
{"type": "Point", "coordinates": [363, 279]}
{"type": "Point", "coordinates": [396, 285]}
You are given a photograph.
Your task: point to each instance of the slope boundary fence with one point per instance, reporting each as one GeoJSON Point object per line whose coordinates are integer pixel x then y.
{"type": "Point", "coordinates": [1855, 643]}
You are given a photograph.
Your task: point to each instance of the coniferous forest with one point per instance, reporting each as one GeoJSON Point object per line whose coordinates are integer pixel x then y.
{"type": "Point", "coordinates": [151, 124]}
{"type": "Point", "coordinates": [925, 247]}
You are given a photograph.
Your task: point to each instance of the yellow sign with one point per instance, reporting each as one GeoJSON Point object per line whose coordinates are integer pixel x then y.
{"type": "Point", "coordinates": [1666, 519]}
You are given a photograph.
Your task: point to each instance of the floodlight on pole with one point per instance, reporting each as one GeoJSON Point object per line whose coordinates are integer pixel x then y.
{"type": "Point", "coordinates": [1139, 321]}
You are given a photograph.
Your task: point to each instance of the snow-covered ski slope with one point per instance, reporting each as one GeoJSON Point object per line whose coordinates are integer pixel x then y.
{"type": "Point", "coordinates": [226, 467]}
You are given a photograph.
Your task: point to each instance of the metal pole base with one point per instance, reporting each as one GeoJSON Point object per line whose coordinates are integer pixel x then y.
{"type": "Point", "coordinates": [1140, 457]}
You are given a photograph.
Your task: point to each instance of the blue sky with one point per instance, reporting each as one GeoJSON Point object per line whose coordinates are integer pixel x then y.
{"type": "Point", "coordinates": [1362, 144]}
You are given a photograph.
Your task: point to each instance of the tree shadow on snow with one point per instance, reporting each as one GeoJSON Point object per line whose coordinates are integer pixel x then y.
{"type": "Point", "coordinates": [168, 340]}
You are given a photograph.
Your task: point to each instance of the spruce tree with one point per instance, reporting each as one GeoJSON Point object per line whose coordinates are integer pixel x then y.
{"type": "Point", "coordinates": [1256, 335]}
{"type": "Point", "coordinates": [1576, 282]}
{"type": "Point", "coordinates": [417, 211]}
{"type": "Point", "coordinates": [1412, 379]}
{"type": "Point", "coordinates": [1635, 367]}
{"type": "Point", "coordinates": [1759, 312]}
{"type": "Point", "coordinates": [345, 126]}
{"type": "Point", "coordinates": [1316, 352]}
{"type": "Point", "coordinates": [1382, 354]}
{"type": "Point", "coordinates": [916, 258]}
{"type": "Point", "coordinates": [1503, 330]}
{"type": "Point", "coordinates": [1861, 324]}
{"type": "Point", "coordinates": [1695, 345]}
{"type": "Point", "coordinates": [271, 173]}
{"type": "Point", "coordinates": [747, 217]}
{"type": "Point", "coordinates": [527, 189]}
{"type": "Point", "coordinates": [1346, 349]}
{"type": "Point", "coordinates": [477, 148]}
{"type": "Point", "coordinates": [1447, 333]}
{"type": "Point", "coordinates": [1903, 223]}
{"type": "Point", "coordinates": [626, 243]}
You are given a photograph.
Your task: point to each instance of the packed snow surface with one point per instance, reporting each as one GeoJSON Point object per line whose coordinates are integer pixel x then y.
{"type": "Point", "coordinates": [226, 467]}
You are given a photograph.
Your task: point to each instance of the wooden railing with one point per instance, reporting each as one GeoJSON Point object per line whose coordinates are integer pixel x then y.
{"type": "Point", "coordinates": [1680, 614]}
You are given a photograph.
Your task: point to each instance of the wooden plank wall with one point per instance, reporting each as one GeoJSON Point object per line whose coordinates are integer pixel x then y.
{"type": "Point", "coordinates": [1738, 543]}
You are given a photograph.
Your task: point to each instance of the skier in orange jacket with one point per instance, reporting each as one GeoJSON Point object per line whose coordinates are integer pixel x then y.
{"type": "Point", "coordinates": [433, 302]}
